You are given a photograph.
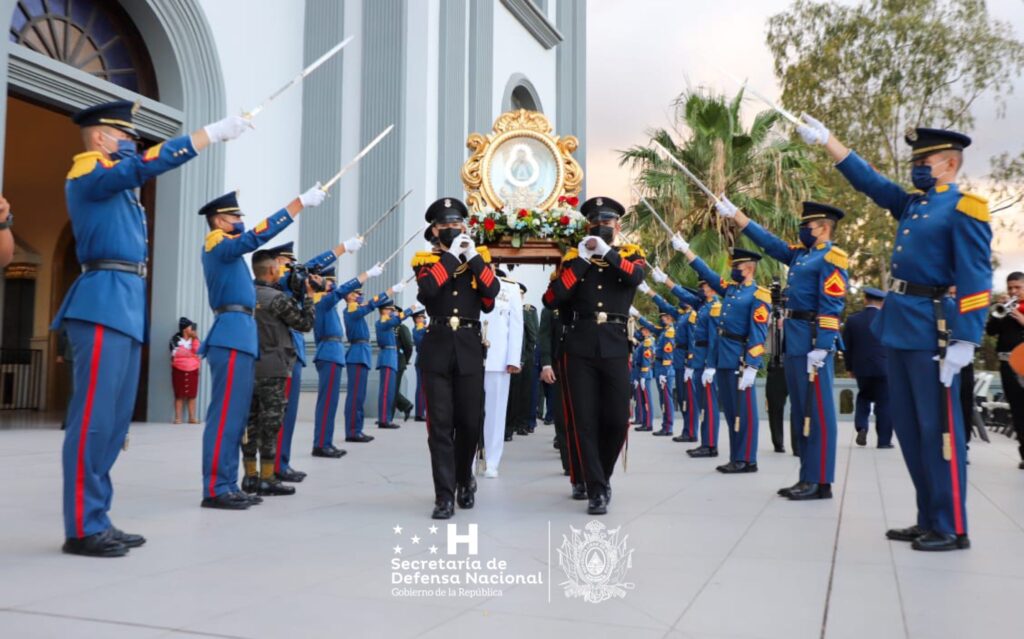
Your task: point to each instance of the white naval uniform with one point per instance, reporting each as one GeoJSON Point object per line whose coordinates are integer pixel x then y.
{"type": "Point", "coordinates": [504, 326]}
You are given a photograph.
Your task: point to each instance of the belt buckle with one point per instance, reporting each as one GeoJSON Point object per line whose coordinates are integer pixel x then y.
{"type": "Point", "coordinates": [453, 321]}
{"type": "Point", "coordinates": [897, 286]}
{"type": "Point", "coordinates": [142, 270]}
{"type": "Point", "coordinates": [602, 317]}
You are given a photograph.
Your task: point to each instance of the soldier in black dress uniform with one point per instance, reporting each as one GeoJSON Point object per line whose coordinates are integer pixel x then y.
{"type": "Point", "coordinates": [455, 285]}
{"type": "Point", "coordinates": [598, 283]}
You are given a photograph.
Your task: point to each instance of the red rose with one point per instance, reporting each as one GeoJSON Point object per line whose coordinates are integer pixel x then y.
{"type": "Point", "coordinates": [522, 213]}
{"type": "Point", "coordinates": [573, 201]}
{"type": "Point", "coordinates": [564, 220]}
{"type": "Point", "coordinates": [488, 224]}
{"type": "Point", "coordinates": [472, 221]}
{"type": "Point", "coordinates": [561, 199]}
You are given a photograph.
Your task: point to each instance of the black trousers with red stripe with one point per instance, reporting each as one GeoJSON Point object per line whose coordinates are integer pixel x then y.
{"type": "Point", "coordinates": [454, 427]}
{"type": "Point", "coordinates": [565, 433]}
{"type": "Point", "coordinates": [599, 403]}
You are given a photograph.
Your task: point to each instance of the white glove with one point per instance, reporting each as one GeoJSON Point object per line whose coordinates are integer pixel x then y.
{"type": "Point", "coordinates": [456, 247]}
{"type": "Point", "coordinates": [813, 132]}
{"type": "Point", "coordinates": [747, 378]}
{"type": "Point", "coordinates": [470, 250]}
{"type": "Point", "coordinates": [417, 307]}
{"type": "Point", "coordinates": [634, 312]}
{"type": "Point", "coordinates": [582, 249]}
{"type": "Point", "coordinates": [687, 374]}
{"type": "Point", "coordinates": [353, 244]}
{"type": "Point", "coordinates": [313, 197]}
{"type": "Point", "coordinates": [227, 129]}
{"type": "Point", "coordinates": [375, 271]}
{"type": "Point", "coordinates": [644, 288]}
{"type": "Point", "coordinates": [601, 247]}
{"type": "Point", "coordinates": [662, 380]}
{"type": "Point", "coordinates": [679, 244]}
{"type": "Point", "coordinates": [636, 384]}
{"type": "Point", "coordinates": [816, 359]}
{"type": "Point", "coordinates": [726, 208]}
{"type": "Point", "coordinates": [707, 376]}
{"type": "Point", "coordinates": [397, 288]}
{"type": "Point", "coordinates": [958, 355]}
{"type": "Point", "coordinates": [659, 276]}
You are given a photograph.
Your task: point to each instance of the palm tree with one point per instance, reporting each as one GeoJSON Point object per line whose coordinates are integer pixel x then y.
{"type": "Point", "coordinates": [761, 170]}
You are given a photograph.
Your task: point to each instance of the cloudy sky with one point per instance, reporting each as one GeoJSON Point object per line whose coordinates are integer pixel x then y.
{"type": "Point", "coordinates": [643, 53]}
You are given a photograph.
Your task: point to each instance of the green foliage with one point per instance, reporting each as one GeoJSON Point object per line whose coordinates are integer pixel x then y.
{"type": "Point", "coordinates": [873, 70]}
{"type": "Point", "coordinates": [760, 169]}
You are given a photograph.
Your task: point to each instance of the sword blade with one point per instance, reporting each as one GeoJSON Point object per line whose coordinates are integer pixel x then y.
{"type": "Point", "coordinates": [404, 244]}
{"type": "Point", "coordinates": [781, 111]}
{"type": "Point", "coordinates": [653, 212]}
{"type": "Point", "coordinates": [686, 171]}
{"type": "Point", "coordinates": [359, 156]}
{"type": "Point", "coordinates": [298, 78]}
{"type": "Point", "coordinates": [394, 207]}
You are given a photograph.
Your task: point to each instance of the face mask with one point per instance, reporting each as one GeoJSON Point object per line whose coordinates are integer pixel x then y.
{"type": "Point", "coordinates": [922, 177]}
{"type": "Point", "coordinates": [447, 236]}
{"type": "Point", "coordinates": [737, 275]}
{"type": "Point", "coordinates": [238, 227]}
{"type": "Point", "coordinates": [606, 233]}
{"type": "Point", "coordinates": [807, 236]}
{"type": "Point", "coordinates": [125, 149]}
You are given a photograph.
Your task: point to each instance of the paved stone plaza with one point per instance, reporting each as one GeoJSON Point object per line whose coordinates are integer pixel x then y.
{"type": "Point", "coordinates": [712, 555]}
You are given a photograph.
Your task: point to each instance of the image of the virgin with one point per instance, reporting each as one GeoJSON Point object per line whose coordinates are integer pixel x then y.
{"type": "Point", "coordinates": [521, 168]}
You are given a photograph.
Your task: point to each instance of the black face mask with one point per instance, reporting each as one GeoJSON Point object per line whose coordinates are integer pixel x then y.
{"type": "Point", "coordinates": [606, 233]}
{"type": "Point", "coordinates": [447, 236]}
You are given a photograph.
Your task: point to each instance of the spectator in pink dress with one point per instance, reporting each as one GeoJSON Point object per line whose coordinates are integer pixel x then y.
{"type": "Point", "coordinates": [185, 368]}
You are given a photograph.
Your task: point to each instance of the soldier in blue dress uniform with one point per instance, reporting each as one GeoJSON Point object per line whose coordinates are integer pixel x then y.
{"type": "Point", "coordinates": [387, 360]}
{"type": "Point", "coordinates": [943, 240]}
{"type": "Point", "coordinates": [663, 374]}
{"type": "Point", "coordinates": [703, 337]}
{"type": "Point", "coordinates": [419, 319]}
{"type": "Point", "coordinates": [739, 350]}
{"type": "Point", "coordinates": [815, 296]}
{"type": "Point", "coordinates": [642, 374]}
{"type": "Point", "coordinates": [104, 311]}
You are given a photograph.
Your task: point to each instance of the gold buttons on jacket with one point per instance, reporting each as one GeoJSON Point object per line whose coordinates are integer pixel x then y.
{"type": "Point", "coordinates": [455, 292]}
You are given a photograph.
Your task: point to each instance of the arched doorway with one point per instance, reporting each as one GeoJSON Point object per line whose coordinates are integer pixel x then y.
{"type": "Point", "coordinates": [63, 56]}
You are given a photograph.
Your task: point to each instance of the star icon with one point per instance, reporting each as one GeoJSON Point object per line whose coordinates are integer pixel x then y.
{"type": "Point", "coordinates": [415, 539]}
{"type": "Point", "coordinates": [398, 550]}
{"type": "Point", "coordinates": [433, 530]}
{"type": "Point", "coordinates": [433, 550]}
{"type": "Point", "coordinates": [397, 529]}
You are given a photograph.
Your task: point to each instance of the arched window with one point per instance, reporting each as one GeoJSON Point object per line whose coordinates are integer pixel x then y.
{"type": "Point", "coordinates": [521, 99]}
{"type": "Point", "coordinates": [521, 94]}
{"type": "Point", "coordinates": [95, 36]}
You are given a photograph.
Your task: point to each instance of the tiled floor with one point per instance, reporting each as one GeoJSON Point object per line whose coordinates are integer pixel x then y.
{"type": "Point", "coordinates": [713, 555]}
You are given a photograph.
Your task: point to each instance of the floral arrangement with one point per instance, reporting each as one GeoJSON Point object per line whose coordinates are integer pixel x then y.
{"type": "Point", "coordinates": [562, 223]}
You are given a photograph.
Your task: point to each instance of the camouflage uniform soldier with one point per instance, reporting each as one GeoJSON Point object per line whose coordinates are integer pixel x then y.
{"type": "Point", "coordinates": [277, 312]}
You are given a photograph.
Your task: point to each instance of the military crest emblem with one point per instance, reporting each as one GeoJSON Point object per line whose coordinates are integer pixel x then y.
{"type": "Point", "coordinates": [595, 562]}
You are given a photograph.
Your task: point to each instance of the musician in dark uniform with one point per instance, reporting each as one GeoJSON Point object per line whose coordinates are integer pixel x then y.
{"type": "Point", "coordinates": [598, 282]}
{"type": "Point", "coordinates": [866, 359]}
{"type": "Point", "coordinates": [455, 285]}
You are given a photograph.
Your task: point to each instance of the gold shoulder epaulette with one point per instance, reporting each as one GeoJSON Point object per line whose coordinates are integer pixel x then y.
{"type": "Point", "coordinates": [838, 257]}
{"type": "Point", "coordinates": [629, 250]}
{"type": "Point", "coordinates": [85, 163]}
{"type": "Point", "coordinates": [571, 254]}
{"type": "Point", "coordinates": [716, 309]}
{"type": "Point", "coordinates": [648, 341]}
{"type": "Point", "coordinates": [670, 332]}
{"type": "Point", "coordinates": [213, 238]}
{"type": "Point", "coordinates": [974, 206]}
{"type": "Point", "coordinates": [693, 318]}
{"type": "Point", "coordinates": [422, 258]}
{"type": "Point", "coordinates": [484, 253]}
{"type": "Point", "coordinates": [763, 294]}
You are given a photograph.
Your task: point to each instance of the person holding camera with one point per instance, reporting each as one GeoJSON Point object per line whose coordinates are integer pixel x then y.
{"type": "Point", "coordinates": [1008, 329]}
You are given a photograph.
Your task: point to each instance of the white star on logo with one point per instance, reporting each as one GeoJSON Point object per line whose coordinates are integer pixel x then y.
{"type": "Point", "coordinates": [415, 539]}
{"type": "Point", "coordinates": [433, 550]}
{"type": "Point", "coordinates": [397, 529]}
{"type": "Point", "coordinates": [433, 530]}
{"type": "Point", "coordinates": [398, 550]}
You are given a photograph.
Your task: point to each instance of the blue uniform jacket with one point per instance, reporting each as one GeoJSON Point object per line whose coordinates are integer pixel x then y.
{"type": "Point", "coordinates": [109, 223]}
{"type": "Point", "coordinates": [943, 239]}
{"type": "Point", "coordinates": [358, 330]}
{"type": "Point", "coordinates": [387, 356]}
{"type": "Point", "coordinates": [327, 323]}
{"type": "Point", "coordinates": [702, 333]}
{"type": "Point", "coordinates": [318, 263]}
{"type": "Point", "coordinates": [643, 357]}
{"type": "Point", "coordinates": [816, 282]}
{"type": "Point", "coordinates": [417, 338]}
{"type": "Point", "coordinates": [865, 355]}
{"type": "Point", "coordinates": [745, 313]}
{"type": "Point", "coordinates": [664, 347]}
{"type": "Point", "coordinates": [228, 282]}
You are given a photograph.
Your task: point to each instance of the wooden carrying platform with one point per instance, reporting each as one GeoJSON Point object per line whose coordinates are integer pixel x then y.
{"type": "Point", "coordinates": [533, 251]}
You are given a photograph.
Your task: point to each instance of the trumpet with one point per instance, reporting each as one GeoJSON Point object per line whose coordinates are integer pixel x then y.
{"type": "Point", "coordinates": [1002, 309]}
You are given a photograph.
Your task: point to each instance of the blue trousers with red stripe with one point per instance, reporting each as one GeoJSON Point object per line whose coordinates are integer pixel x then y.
{"type": "Point", "coordinates": [707, 405]}
{"type": "Point", "coordinates": [357, 374]}
{"type": "Point", "coordinates": [282, 461]}
{"type": "Point", "coordinates": [386, 394]}
{"type": "Point", "coordinates": [668, 415]}
{"type": "Point", "coordinates": [232, 374]}
{"type": "Point", "coordinates": [106, 377]}
{"type": "Point", "coordinates": [818, 446]}
{"type": "Point", "coordinates": [689, 397]}
{"type": "Point", "coordinates": [742, 405]}
{"type": "Point", "coordinates": [643, 400]}
{"type": "Point", "coordinates": [421, 398]}
{"type": "Point", "coordinates": [926, 414]}
{"type": "Point", "coordinates": [328, 394]}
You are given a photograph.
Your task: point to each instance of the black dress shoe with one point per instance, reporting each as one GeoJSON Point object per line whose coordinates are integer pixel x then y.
{"type": "Point", "coordinates": [662, 433]}
{"type": "Point", "coordinates": [250, 483]}
{"type": "Point", "coordinates": [329, 451]}
{"type": "Point", "coordinates": [406, 413]}
{"type": "Point", "coordinates": [1020, 465]}
{"type": "Point", "coordinates": [508, 438]}
{"type": "Point", "coordinates": [548, 422]}
{"type": "Point", "coordinates": [598, 504]}
{"type": "Point", "coordinates": [811, 491]}
{"type": "Point", "coordinates": [227, 501]}
{"type": "Point", "coordinates": [360, 439]}
{"type": "Point", "coordinates": [909, 533]}
{"type": "Point", "coordinates": [420, 419]}
{"type": "Point", "coordinates": [522, 431]}
{"type": "Point", "coordinates": [703, 451]}
{"type": "Point", "coordinates": [443, 510]}
{"type": "Point", "coordinates": [934, 541]}
{"type": "Point", "coordinates": [554, 443]}
{"type": "Point", "coordinates": [291, 475]}
{"type": "Point", "coordinates": [891, 446]}
{"type": "Point", "coordinates": [643, 429]}
{"type": "Point", "coordinates": [102, 544]}
{"type": "Point", "coordinates": [128, 539]}
{"type": "Point", "coordinates": [272, 488]}
{"type": "Point", "coordinates": [253, 499]}
{"type": "Point", "coordinates": [862, 438]}
{"type": "Point", "coordinates": [579, 491]}
{"type": "Point", "coordinates": [387, 425]}
{"type": "Point", "coordinates": [465, 496]}
{"type": "Point", "coordinates": [800, 485]}
{"type": "Point", "coordinates": [738, 467]}
{"type": "Point", "coordinates": [780, 449]}
{"type": "Point", "coordinates": [683, 437]}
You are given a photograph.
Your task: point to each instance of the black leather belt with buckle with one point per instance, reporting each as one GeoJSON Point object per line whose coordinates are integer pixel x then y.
{"type": "Point", "coordinates": [809, 316]}
{"type": "Point", "coordinates": [601, 317]}
{"type": "Point", "coordinates": [389, 348]}
{"type": "Point", "coordinates": [232, 308]}
{"type": "Point", "coordinates": [359, 341]}
{"type": "Point", "coordinates": [135, 268]}
{"type": "Point", "coordinates": [701, 342]}
{"type": "Point", "coordinates": [455, 322]}
{"type": "Point", "coordinates": [733, 336]}
{"type": "Point", "coordinates": [332, 338]}
{"type": "Point", "coordinates": [903, 287]}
